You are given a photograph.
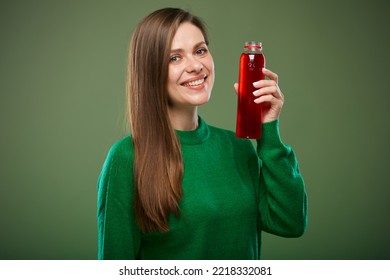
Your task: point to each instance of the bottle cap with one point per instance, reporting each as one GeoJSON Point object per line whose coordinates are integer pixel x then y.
{"type": "Point", "coordinates": [253, 45]}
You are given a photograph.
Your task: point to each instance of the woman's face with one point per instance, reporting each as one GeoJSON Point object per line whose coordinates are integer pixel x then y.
{"type": "Point", "coordinates": [191, 68]}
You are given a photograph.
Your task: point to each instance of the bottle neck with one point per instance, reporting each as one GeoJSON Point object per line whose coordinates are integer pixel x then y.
{"type": "Point", "coordinates": [253, 47]}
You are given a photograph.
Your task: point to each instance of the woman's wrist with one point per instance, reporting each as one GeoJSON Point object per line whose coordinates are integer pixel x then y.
{"type": "Point", "coordinates": [270, 134]}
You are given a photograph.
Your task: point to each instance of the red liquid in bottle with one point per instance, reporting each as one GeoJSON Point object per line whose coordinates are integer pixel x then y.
{"type": "Point", "coordinates": [249, 121]}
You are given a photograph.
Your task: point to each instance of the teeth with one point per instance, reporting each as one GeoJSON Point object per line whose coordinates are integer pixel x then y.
{"type": "Point", "coordinates": [194, 83]}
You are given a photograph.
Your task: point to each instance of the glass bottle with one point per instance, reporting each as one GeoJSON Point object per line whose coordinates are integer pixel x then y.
{"type": "Point", "coordinates": [252, 60]}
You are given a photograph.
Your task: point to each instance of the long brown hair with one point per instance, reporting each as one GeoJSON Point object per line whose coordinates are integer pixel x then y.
{"type": "Point", "coordinates": [158, 162]}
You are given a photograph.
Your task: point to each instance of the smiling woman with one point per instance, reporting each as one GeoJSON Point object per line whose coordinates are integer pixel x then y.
{"type": "Point", "coordinates": [177, 188]}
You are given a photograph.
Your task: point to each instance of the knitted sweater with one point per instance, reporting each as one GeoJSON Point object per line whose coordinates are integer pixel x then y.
{"type": "Point", "coordinates": [231, 193]}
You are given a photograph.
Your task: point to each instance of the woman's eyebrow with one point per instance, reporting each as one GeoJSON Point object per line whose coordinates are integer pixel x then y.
{"type": "Point", "coordinates": [181, 50]}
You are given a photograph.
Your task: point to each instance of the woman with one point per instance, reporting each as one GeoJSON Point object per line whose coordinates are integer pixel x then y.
{"type": "Point", "coordinates": [178, 188]}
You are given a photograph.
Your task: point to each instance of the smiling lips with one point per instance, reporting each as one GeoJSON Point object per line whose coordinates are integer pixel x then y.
{"type": "Point", "coordinates": [195, 83]}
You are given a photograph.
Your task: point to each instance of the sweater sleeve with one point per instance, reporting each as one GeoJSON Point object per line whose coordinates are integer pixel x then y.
{"type": "Point", "coordinates": [282, 197]}
{"type": "Point", "coordinates": [118, 233]}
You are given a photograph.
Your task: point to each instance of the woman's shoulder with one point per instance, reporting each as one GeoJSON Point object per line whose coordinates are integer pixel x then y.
{"type": "Point", "coordinates": [124, 144]}
{"type": "Point", "coordinates": [121, 150]}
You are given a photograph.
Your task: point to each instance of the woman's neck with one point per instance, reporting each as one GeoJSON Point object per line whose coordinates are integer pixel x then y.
{"type": "Point", "coordinates": [184, 119]}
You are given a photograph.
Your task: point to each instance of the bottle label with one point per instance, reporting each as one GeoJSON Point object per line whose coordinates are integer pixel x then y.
{"type": "Point", "coordinates": [251, 63]}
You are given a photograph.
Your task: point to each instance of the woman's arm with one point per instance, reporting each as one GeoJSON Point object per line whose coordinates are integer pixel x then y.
{"type": "Point", "coordinates": [118, 234]}
{"type": "Point", "coordinates": [282, 197]}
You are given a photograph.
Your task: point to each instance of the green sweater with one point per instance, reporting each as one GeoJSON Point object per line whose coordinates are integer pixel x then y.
{"type": "Point", "coordinates": [231, 193]}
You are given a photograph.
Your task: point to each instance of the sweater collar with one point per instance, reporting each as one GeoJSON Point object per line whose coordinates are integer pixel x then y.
{"type": "Point", "coordinates": [193, 137]}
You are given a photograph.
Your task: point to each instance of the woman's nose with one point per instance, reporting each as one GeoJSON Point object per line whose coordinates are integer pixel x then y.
{"type": "Point", "coordinates": [194, 65]}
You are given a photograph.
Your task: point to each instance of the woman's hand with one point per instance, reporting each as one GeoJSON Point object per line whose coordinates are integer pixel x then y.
{"type": "Point", "coordinates": [269, 95]}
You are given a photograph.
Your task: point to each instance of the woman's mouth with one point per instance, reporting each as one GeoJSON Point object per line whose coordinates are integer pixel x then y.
{"type": "Point", "coordinates": [195, 83]}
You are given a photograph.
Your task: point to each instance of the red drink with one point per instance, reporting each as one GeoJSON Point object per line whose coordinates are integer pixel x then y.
{"type": "Point", "coordinates": [249, 121]}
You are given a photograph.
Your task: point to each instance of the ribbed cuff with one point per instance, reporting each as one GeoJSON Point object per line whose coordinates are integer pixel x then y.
{"type": "Point", "coordinates": [270, 135]}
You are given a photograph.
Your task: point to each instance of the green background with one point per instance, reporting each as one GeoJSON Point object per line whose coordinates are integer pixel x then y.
{"type": "Point", "coordinates": [62, 86]}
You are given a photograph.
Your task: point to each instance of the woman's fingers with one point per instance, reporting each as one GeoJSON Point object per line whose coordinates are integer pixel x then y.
{"type": "Point", "coordinates": [271, 75]}
{"type": "Point", "coordinates": [269, 94]}
{"type": "Point", "coordinates": [236, 87]}
{"type": "Point", "coordinates": [272, 89]}
{"type": "Point", "coordinates": [264, 83]}
{"type": "Point", "coordinates": [266, 87]}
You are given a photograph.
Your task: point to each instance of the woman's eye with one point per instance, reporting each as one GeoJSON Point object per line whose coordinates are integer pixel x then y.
{"type": "Point", "coordinates": [174, 58]}
{"type": "Point", "coordinates": [201, 51]}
